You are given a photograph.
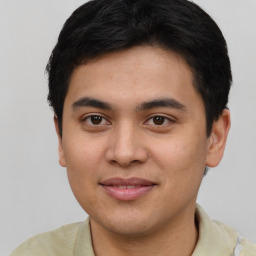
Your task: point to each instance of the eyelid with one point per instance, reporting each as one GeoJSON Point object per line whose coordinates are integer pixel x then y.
{"type": "Point", "coordinates": [84, 117]}
{"type": "Point", "coordinates": [169, 118]}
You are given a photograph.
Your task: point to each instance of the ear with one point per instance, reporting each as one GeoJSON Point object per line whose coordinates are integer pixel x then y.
{"type": "Point", "coordinates": [62, 160]}
{"type": "Point", "coordinates": [218, 138]}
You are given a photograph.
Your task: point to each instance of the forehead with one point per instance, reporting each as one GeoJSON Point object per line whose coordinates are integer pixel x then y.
{"type": "Point", "coordinates": [141, 73]}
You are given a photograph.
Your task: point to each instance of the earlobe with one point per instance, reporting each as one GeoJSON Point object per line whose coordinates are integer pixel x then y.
{"type": "Point", "coordinates": [62, 160]}
{"type": "Point", "coordinates": [218, 138]}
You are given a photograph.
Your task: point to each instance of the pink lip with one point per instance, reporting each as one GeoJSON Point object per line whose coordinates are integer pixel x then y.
{"type": "Point", "coordinates": [135, 188]}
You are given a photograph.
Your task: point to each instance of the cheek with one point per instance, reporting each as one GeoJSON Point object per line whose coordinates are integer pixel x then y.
{"type": "Point", "coordinates": [178, 154]}
{"type": "Point", "coordinates": [182, 160]}
{"type": "Point", "coordinates": [82, 153]}
{"type": "Point", "coordinates": [83, 163]}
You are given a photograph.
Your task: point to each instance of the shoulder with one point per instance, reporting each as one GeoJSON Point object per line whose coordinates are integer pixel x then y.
{"type": "Point", "coordinates": [247, 248]}
{"type": "Point", "coordinates": [60, 241]}
{"type": "Point", "coordinates": [216, 238]}
{"type": "Point", "coordinates": [242, 247]}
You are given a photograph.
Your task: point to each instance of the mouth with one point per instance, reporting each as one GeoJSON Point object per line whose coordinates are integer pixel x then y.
{"type": "Point", "coordinates": [127, 189]}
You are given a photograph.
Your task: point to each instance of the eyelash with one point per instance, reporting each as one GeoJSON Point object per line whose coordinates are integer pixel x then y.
{"type": "Point", "coordinates": [97, 116]}
{"type": "Point", "coordinates": [166, 120]}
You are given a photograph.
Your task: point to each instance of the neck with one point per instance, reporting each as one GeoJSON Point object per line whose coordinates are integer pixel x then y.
{"type": "Point", "coordinates": [177, 238]}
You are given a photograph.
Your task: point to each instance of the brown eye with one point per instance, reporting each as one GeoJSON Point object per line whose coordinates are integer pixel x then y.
{"type": "Point", "coordinates": [96, 120]}
{"type": "Point", "coordinates": [159, 120]}
{"type": "Point", "coordinates": [95, 123]}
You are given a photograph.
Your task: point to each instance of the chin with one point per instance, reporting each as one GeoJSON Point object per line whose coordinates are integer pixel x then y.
{"type": "Point", "coordinates": [132, 224]}
{"type": "Point", "coordinates": [130, 228]}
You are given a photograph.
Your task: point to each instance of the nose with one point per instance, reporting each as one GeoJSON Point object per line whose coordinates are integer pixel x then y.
{"type": "Point", "coordinates": [126, 147]}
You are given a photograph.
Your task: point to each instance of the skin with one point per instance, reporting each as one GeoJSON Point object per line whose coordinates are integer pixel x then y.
{"type": "Point", "coordinates": [127, 141]}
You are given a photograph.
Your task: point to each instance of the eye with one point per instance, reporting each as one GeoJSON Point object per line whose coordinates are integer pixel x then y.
{"type": "Point", "coordinates": [158, 121]}
{"type": "Point", "coordinates": [95, 120]}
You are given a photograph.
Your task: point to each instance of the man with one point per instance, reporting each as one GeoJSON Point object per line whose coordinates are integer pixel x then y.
{"type": "Point", "coordinates": [140, 90]}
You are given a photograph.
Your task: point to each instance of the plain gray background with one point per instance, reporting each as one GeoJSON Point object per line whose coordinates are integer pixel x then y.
{"type": "Point", "coordinates": [34, 191]}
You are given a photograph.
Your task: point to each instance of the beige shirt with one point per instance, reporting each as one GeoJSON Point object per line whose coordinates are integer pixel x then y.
{"type": "Point", "coordinates": [215, 239]}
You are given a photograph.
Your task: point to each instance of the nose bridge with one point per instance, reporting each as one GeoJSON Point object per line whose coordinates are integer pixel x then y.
{"type": "Point", "coordinates": [126, 146]}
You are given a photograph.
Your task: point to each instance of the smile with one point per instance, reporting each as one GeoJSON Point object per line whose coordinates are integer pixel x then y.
{"type": "Point", "coordinates": [126, 186]}
{"type": "Point", "coordinates": [127, 189]}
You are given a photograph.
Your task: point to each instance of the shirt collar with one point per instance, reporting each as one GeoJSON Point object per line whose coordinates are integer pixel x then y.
{"type": "Point", "coordinates": [214, 237]}
{"type": "Point", "coordinates": [83, 244]}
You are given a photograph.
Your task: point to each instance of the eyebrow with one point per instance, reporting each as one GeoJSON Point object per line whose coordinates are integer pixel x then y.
{"type": "Point", "coordinates": [90, 102]}
{"type": "Point", "coordinates": [165, 102]}
{"type": "Point", "coordinates": [162, 102]}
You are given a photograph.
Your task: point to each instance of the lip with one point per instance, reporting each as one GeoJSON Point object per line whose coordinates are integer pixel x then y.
{"type": "Point", "coordinates": [127, 189]}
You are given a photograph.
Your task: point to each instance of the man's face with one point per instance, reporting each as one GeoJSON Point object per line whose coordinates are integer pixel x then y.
{"type": "Point", "coordinates": [134, 139]}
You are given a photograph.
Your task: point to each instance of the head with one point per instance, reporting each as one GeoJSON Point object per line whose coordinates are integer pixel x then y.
{"type": "Point", "coordinates": [103, 26]}
{"type": "Point", "coordinates": [139, 90]}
